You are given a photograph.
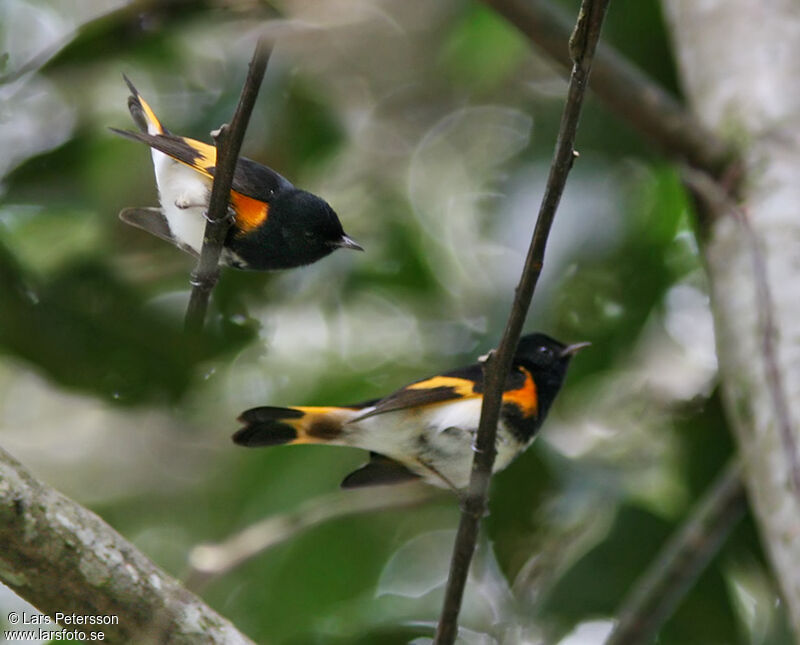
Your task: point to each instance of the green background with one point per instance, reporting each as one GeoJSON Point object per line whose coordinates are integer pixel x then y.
{"type": "Point", "coordinates": [429, 128]}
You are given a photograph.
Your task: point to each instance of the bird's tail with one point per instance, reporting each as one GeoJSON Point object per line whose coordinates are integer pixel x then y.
{"type": "Point", "coordinates": [142, 113]}
{"type": "Point", "coordinates": [268, 426]}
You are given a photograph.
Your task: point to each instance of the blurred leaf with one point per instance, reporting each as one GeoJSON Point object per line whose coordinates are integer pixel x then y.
{"type": "Point", "coordinates": [54, 176]}
{"type": "Point", "coordinates": [481, 67]}
{"type": "Point", "coordinates": [419, 566]}
{"type": "Point", "coordinates": [306, 128]}
{"type": "Point", "coordinates": [404, 267]}
{"type": "Point", "coordinates": [596, 585]}
{"type": "Point", "coordinates": [609, 298]}
{"type": "Point", "coordinates": [144, 24]}
{"type": "Point", "coordinates": [89, 331]}
{"type": "Point", "coordinates": [400, 635]}
{"type": "Point", "coordinates": [43, 240]}
{"type": "Point", "coordinates": [637, 29]}
{"type": "Point", "coordinates": [516, 494]}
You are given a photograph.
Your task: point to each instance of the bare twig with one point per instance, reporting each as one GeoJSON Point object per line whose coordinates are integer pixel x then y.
{"type": "Point", "coordinates": [719, 203]}
{"type": "Point", "coordinates": [582, 46]}
{"type": "Point", "coordinates": [210, 561]}
{"type": "Point", "coordinates": [658, 592]}
{"type": "Point", "coordinates": [62, 558]}
{"type": "Point", "coordinates": [229, 142]}
{"type": "Point", "coordinates": [623, 87]}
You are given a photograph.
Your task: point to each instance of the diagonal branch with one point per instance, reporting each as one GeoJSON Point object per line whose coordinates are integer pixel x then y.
{"type": "Point", "coordinates": [623, 87]}
{"type": "Point", "coordinates": [582, 46]}
{"type": "Point", "coordinates": [210, 561]}
{"type": "Point", "coordinates": [229, 142]}
{"type": "Point", "coordinates": [62, 558]}
{"type": "Point", "coordinates": [656, 595]}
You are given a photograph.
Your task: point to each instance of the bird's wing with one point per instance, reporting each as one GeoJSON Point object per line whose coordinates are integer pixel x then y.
{"type": "Point", "coordinates": [379, 470]}
{"type": "Point", "coordinates": [153, 221]}
{"type": "Point", "coordinates": [458, 384]}
{"type": "Point", "coordinates": [464, 383]}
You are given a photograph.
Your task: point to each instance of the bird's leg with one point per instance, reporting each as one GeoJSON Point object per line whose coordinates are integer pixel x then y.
{"type": "Point", "coordinates": [433, 470]}
{"type": "Point", "coordinates": [183, 202]}
{"type": "Point", "coordinates": [230, 214]}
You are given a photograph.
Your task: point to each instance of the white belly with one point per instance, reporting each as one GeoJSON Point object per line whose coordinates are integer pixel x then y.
{"type": "Point", "coordinates": [184, 195]}
{"type": "Point", "coordinates": [435, 441]}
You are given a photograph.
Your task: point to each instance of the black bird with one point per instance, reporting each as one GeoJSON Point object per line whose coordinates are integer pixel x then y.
{"type": "Point", "coordinates": [426, 429]}
{"type": "Point", "coordinates": [275, 225]}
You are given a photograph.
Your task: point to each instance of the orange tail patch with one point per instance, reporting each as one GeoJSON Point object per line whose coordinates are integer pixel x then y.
{"type": "Point", "coordinates": [270, 426]}
{"type": "Point", "coordinates": [141, 112]}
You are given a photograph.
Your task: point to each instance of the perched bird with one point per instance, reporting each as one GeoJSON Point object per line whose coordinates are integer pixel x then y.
{"type": "Point", "coordinates": [426, 429]}
{"type": "Point", "coordinates": [275, 225]}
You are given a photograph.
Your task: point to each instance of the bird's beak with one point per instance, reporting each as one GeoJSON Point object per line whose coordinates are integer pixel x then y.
{"type": "Point", "coordinates": [345, 242]}
{"type": "Point", "coordinates": [571, 350]}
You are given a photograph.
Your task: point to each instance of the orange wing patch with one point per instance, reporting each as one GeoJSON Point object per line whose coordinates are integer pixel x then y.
{"type": "Point", "coordinates": [525, 397]}
{"type": "Point", "coordinates": [250, 213]}
{"type": "Point", "coordinates": [205, 156]}
{"type": "Point", "coordinates": [462, 387]}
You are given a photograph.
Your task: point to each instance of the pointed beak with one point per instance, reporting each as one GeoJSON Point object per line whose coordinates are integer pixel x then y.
{"type": "Point", "coordinates": [571, 350]}
{"type": "Point", "coordinates": [345, 242]}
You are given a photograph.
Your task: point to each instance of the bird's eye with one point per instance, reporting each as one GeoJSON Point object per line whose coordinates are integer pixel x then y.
{"type": "Point", "coordinates": [309, 235]}
{"type": "Point", "coordinates": [545, 352]}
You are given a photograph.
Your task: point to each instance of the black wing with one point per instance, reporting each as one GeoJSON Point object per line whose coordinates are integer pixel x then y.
{"type": "Point", "coordinates": [251, 179]}
{"type": "Point", "coordinates": [153, 221]}
{"type": "Point", "coordinates": [458, 384]}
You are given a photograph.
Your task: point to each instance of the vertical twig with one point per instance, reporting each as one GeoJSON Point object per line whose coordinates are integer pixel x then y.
{"type": "Point", "coordinates": [658, 592]}
{"type": "Point", "coordinates": [582, 46]}
{"type": "Point", "coordinates": [229, 141]}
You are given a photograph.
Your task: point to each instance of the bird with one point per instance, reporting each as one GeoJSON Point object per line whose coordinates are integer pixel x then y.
{"type": "Point", "coordinates": [275, 225]}
{"type": "Point", "coordinates": [426, 430]}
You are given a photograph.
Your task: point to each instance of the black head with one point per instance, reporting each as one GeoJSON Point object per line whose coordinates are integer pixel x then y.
{"type": "Point", "coordinates": [547, 360]}
{"type": "Point", "coordinates": [301, 228]}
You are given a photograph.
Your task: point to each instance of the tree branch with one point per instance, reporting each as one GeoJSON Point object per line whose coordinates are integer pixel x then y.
{"type": "Point", "coordinates": [229, 142]}
{"type": "Point", "coordinates": [61, 557]}
{"type": "Point", "coordinates": [658, 592]}
{"type": "Point", "coordinates": [582, 46]}
{"type": "Point", "coordinates": [210, 561]}
{"type": "Point", "coordinates": [750, 247]}
{"type": "Point", "coordinates": [717, 202]}
{"type": "Point", "coordinates": [624, 88]}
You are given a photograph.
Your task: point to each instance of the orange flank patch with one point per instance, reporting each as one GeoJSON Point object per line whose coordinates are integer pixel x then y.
{"type": "Point", "coordinates": [524, 397]}
{"type": "Point", "coordinates": [250, 213]}
{"type": "Point", "coordinates": [461, 386]}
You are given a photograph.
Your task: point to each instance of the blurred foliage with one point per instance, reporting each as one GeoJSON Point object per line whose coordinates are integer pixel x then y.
{"type": "Point", "coordinates": [429, 128]}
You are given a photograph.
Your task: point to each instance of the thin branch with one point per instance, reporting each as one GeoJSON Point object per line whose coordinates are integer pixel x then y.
{"type": "Point", "coordinates": [582, 46]}
{"type": "Point", "coordinates": [210, 561]}
{"type": "Point", "coordinates": [62, 558]}
{"type": "Point", "coordinates": [623, 87]}
{"type": "Point", "coordinates": [229, 142]}
{"type": "Point", "coordinates": [656, 595]}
